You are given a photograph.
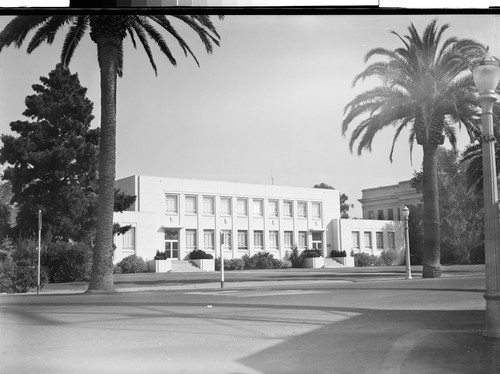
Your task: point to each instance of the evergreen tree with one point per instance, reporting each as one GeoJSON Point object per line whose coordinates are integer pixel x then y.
{"type": "Point", "coordinates": [344, 205]}
{"type": "Point", "coordinates": [54, 159]}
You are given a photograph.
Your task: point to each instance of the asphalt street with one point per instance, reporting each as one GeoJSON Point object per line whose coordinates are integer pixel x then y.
{"type": "Point", "coordinates": [300, 321]}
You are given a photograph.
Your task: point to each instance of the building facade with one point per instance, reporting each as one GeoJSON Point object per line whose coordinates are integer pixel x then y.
{"type": "Point", "coordinates": [386, 202]}
{"type": "Point", "coordinates": [180, 215]}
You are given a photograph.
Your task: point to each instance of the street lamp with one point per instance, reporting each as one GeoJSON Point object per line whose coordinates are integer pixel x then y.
{"type": "Point", "coordinates": [486, 74]}
{"type": "Point", "coordinates": [405, 213]}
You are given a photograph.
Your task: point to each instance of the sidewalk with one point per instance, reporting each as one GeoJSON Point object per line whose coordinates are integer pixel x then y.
{"type": "Point", "coordinates": [143, 282]}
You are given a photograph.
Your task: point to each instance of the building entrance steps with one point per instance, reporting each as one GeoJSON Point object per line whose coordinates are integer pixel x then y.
{"type": "Point", "coordinates": [181, 266]}
{"type": "Point", "coordinates": [330, 263]}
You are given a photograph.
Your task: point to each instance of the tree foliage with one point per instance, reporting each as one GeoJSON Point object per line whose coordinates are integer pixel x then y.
{"type": "Point", "coordinates": [427, 89]}
{"type": "Point", "coordinates": [108, 32]}
{"type": "Point", "coordinates": [53, 159]}
{"type": "Point", "coordinates": [344, 205]}
{"type": "Point", "coordinates": [460, 208]}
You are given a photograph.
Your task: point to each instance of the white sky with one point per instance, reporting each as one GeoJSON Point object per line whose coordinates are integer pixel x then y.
{"type": "Point", "coordinates": [265, 106]}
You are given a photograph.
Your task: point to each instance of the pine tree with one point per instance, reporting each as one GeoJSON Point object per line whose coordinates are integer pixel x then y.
{"type": "Point", "coordinates": [54, 159]}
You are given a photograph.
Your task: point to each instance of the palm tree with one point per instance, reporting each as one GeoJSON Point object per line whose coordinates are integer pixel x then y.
{"type": "Point", "coordinates": [109, 33]}
{"type": "Point", "coordinates": [426, 88]}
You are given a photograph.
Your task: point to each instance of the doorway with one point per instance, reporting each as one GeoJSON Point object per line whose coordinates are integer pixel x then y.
{"type": "Point", "coordinates": [317, 241]}
{"type": "Point", "coordinates": [172, 243]}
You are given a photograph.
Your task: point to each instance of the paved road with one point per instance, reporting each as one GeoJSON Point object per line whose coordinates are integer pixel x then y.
{"type": "Point", "coordinates": [261, 322]}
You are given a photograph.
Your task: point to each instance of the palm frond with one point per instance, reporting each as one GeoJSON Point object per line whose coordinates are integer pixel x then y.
{"type": "Point", "coordinates": [73, 37]}
{"type": "Point", "coordinates": [47, 32]}
{"type": "Point", "coordinates": [17, 29]}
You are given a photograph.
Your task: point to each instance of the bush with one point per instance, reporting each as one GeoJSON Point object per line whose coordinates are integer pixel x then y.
{"type": "Point", "coordinates": [364, 259]}
{"type": "Point", "coordinates": [296, 258]}
{"type": "Point", "coordinates": [68, 262]}
{"type": "Point", "coordinates": [132, 264]}
{"type": "Point", "coordinates": [198, 254]}
{"type": "Point", "coordinates": [388, 258]}
{"type": "Point", "coordinates": [19, 266]}
{"type": "Point", "coordinates": [477, 254]}
{"type": "Point", "coordinates": [162, 255]}
{"type": "Point", "coordinates": [262, 260]}
{"type": "Point", "coordinates": [310, 253]}
{"type": "Point", "coordinates": [235, 264]}
{"type": "Point", "coordinates": [336, 253]}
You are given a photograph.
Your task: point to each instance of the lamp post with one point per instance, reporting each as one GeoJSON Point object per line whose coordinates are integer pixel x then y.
{"type": "Point", "coordinates": [486, 74]}
{"type": "Point", "coordinates": [405, 213]}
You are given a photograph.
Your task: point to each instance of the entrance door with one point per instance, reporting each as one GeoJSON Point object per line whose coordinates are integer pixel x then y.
{"type": "Point", "coordinates": [172, 243]}
{"type": "Point", "coordinates": [317, 241]}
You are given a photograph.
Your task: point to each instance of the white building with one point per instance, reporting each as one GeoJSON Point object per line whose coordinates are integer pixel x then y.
{"type": "Point", "coordinates": [180, 215]}
{"type": "Point", "coordinates": [386, 202]}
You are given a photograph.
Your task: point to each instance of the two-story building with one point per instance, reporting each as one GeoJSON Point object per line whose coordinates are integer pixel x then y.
{"type": "Point", "coordinates": [180, 215]}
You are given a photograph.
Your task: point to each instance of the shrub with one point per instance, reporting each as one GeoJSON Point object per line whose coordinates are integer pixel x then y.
{"type": "Point", "coordinates": [336, 253]}
{"type": "Point", "coordinates": [310, 253]}
{"type": "Point", "coordinates": [388, 258]}
{"type": "Point", "coordinates": [198, 254]}
{"type": "Point", "coordinates": [19, 266]}
{"type": "Point", "coordinates": [364, 259]}
{"type": "Point", "coordinates": [162, 255]}
{"type": "Point", "coordinates": [234, 264]}
{"type": "Point", "coordinates": [261, 260]}
{"type": "Point", "coordinates": [477, 254]}
{"type": "Point", "coordinates": [296, 259]}
{"type": "Point", "coordinates": [68, 262]}
{"type": "Point", "coordinates": [132, 264]}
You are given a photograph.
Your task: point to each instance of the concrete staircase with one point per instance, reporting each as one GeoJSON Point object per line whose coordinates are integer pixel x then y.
{"type": "Point", "coordinates": [331, 263]}
{"type": "Point", "coordinates": [184, 267]}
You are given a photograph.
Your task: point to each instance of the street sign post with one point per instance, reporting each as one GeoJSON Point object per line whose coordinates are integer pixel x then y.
{"type": "Point", "coordinates": [221, 260]}
{"type": "Point", "coordinates": [39, 249]}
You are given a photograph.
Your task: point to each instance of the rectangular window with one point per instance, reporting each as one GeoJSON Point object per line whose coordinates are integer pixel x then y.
{"type": "Point", "coordinates": [380, 240]}
{"type": "Point", "coordinates": [190, 204]}
{"type": "Point", "coordinates": [316, 210]}
{"type": "Point", "coordinates": [302, 240]}
{"type": "Point", "coordinates": [242, 207]}
{"type": "Point", "coordinates": [208, 205]}
{"type": "Point", "coordinates": [191, 239]}
{"type": "Point", "coordinates": [368, 239]}
{"type": "Point", "coordinates": [380, 214]}
{"type": "Point", "coordinates": [391, 214]}
{"type": "Point", "coordinates": [355, 239]}
{"type": "Point", "coordinates": [302, 209]}
{"type": "Point", "coordinates": [227, 239]}
{"type": "Point", "coordinates": [258, 207]}
{"type": "Point", "coordinates": [288, 239]}
{"type": "Point", "coordinates": [273, 208]}
{"type": "Point", "coordinates": [258, 239]}
{"type": "Point", "coordinates": [273, 240]}
{"type": "Point", "coordinates": [129, 239]}
{"type": "Point", "coordinates": [391, 240]}
{"type": "Point", "coordinates": [371, 214]}
{"type": "Point", "coordinates": [287, 209]}
{"type": "Point", "coordinates": [225, 206]}
{"type": "Point", "coordinates": [171, 201]}
{"type": "Point", "coordinates": [208, 239]}
{"type": "Point", "coordinates": [242, 239]}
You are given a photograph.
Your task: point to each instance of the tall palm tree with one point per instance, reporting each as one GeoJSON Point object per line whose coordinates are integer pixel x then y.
{"type": "Point", "coordinates": [109, 33]}
{"type": "Point", "coordinates": [426, 88]}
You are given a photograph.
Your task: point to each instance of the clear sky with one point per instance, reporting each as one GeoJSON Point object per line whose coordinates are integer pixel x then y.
{"type": "Point", "coordinates": [265, 107]}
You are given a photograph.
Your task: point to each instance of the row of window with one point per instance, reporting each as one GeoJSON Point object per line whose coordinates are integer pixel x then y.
{"type": "Point", "coordinates": [172, 207]}
{"type": "Point", "coordinates": [242, 239]}
{"type": "Point", "coordinates": [380, 214]}
{"type": "Point", "coordinates": [379, 237]}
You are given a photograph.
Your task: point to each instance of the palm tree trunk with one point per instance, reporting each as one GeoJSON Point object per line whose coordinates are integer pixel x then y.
{"type": "Point", "coordinates": [102, 266]}
{"type": "Point", "coordinates": [432, 231]}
